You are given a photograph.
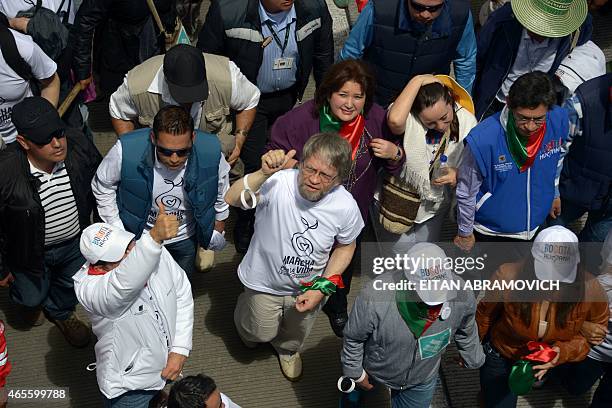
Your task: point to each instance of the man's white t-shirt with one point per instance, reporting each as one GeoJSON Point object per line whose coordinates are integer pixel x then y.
{"type": "Point", "coordinates": [168, 189]}
{"type": "Point", "coordinates": [13, 88]}
{"type": "Point", "coordinates": [293, 236]}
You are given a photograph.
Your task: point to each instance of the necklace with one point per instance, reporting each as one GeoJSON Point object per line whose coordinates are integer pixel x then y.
{"type": "Point", "coordinates": [352, 178]}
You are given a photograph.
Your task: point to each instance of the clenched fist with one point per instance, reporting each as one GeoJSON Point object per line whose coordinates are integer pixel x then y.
{"type": "Point", "coordinates": [275, 160]}
{"type": "Point", "coordinates": [166, 226]}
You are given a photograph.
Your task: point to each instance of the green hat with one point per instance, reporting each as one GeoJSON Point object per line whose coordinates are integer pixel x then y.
{"type": "Point", "coordinates": [550, 18]}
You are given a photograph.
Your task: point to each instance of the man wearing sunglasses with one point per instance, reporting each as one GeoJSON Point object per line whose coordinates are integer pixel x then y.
{"type": "Point", "coordinates": [404, 38]}
{"type": "Point", "coordinates": [173, 165]}
{"type": "Point", "coordinates": [506, 182]}
{"type": "Point", "coordinates": [45, 203]}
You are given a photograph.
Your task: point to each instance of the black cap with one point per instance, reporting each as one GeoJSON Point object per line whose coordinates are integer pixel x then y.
{"type": "Point", "coordinates": [37, 120]}
{"type": "Point", "coordinates": [185, 73]}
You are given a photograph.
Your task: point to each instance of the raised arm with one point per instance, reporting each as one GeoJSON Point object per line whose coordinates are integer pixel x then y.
{"type": "Point", "coordinates": [399, 111]}
{"type": "Point", "coordinates": [271, 162]}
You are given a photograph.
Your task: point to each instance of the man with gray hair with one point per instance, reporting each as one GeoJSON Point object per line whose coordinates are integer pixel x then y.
{"type": "Point", "coordinates": [314, 222]}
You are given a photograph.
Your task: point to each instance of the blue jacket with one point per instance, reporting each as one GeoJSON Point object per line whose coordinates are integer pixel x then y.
{"type": "Point", "coordinates": [511, 203]}
{"type": "Point", "coordinates": [586, 179]}
{"type": "Point", "coordinates": [135, 192]}
{"type": "Point", "coordinates": [398, 48]}
{"type": "Point", "coordinates": [498, 44]}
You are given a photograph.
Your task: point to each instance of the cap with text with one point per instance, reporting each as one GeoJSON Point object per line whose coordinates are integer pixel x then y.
{"type": "Point", "coordinates": [429, 267]}
{"type": "Point", "coordinates": [104, 242]}
{"type": "Point", "coordinates": [556, 254]}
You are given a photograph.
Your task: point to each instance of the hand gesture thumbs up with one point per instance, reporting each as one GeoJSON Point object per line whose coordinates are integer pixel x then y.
{"type": "Point", "coordinates": [275, 160]}
{"type": "Point", "coordinates": [166, 226]}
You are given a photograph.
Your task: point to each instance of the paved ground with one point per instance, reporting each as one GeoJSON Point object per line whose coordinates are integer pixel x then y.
{"type": "Point", "coordinates": [42, 360]}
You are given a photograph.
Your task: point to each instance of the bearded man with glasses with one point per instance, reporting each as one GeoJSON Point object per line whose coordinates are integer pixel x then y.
{"type": "Point", "coordinates": [173, 165]}
{"type": "Point", "coordinates": [306, 227]}
{"type": "Point", "coordinates": [404, 38]}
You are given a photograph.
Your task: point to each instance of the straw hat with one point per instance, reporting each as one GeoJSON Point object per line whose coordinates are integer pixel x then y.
{"type": "Point", "coordinates": [462, 97]}
{"type": "Point", "coordinates": [550, 18]}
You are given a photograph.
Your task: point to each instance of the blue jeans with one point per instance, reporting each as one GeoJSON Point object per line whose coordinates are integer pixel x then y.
{"type": "Point", "coordinates": [494, 379]}
{"type": "Point", "coordinates": [419, 396]}
{"type": "Point", "coordinates": [54, 290]}
{"type": "Point", "coordinates": [597, 225]}
{"type": "Point", "coordinates": [131, 399]}
{"type": "Point", "coordinates": [184, 253]}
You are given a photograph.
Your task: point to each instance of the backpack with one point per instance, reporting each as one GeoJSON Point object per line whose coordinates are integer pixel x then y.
{"type": "Point", "coordinates": [48, 29]}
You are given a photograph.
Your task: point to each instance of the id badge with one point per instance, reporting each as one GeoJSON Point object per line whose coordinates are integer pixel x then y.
{"type": "Point", "coordinates": [431, 345]}
{"type": "Point", "coordinates": [283, 63]}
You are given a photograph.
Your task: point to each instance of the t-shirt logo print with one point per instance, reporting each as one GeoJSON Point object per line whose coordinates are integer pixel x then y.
{"type": "Point", "coordinates": [168, 200]}
{"type": "Point", "coordinates": [302, 245]}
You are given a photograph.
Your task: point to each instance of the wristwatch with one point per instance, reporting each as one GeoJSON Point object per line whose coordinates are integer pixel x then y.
{"type": "Point", "coordinates": [398, 155]}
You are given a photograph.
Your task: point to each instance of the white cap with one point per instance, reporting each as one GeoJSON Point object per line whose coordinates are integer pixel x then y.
{"type": "Point", "coordinates": [556, 254]}
{"type": "Point", "coordinates": [429, 263]}
{"type": "Point", "coordinates": [585, 62]}
{"type": "Point", "coordinates": [103, 242]}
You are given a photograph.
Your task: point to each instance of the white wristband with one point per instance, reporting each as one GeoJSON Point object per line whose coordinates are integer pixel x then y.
{"type": "Point", "coordinates": [361, 377]}
{"type": "Point", "coordinates": [247, 190]}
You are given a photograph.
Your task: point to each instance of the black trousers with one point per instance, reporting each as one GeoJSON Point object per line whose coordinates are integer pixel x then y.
{"type": "Point", "coordinates": [271, 106]}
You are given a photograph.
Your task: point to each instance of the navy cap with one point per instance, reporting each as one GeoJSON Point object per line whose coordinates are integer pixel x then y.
{"type": "Point", "coordinates": [185, 73]}
{"type": "Point", "coordinates": [37, 120]}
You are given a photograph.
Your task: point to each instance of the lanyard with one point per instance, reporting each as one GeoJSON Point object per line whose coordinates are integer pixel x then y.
{"type": "Point", "coordinates": [277, 40]}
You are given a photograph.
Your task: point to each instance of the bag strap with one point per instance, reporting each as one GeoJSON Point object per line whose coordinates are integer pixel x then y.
{"type": "Point", "coordinates": [66, 16]}
{"type": "Point", "coordinates": [440, 151]}
{"type": "Point", "coordinates": [575, 37]}
{"type": "Point", "coordinates": [10, 52]}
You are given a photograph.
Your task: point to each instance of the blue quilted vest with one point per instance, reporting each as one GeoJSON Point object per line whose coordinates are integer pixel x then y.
{"type": "Point", "coordinates": [135, 191]}
{"type": "Point", "coordinates": [586, 178]}
{"type": "Point", "coordinates": [511, 203]}
{"type": "Point", "coordinates": [397, 55]}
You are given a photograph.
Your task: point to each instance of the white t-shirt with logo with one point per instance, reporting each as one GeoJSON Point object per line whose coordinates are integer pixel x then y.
{"type": "Point", "coordinates": [293, 236]}
{"type": "Point", "coordinates": [13, 88]}
{"type": "Point", "coordinates": [168, 189]}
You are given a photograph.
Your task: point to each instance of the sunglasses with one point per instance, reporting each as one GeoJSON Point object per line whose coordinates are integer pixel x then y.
{"type": "Point", "coordinates": [57, 135]}
{"type": "Point", "coordinates": [421, 8]}
{"type": "Point", "coordinates": [169, 152]}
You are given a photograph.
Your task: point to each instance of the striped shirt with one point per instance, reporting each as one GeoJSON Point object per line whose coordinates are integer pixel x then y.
{"type": "Point", "coordinates": [59, 205]}
{"type": "Point", "coordinates": [274, 80]}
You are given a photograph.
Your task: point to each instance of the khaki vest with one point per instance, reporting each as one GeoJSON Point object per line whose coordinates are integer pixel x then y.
{"type": "Point", "coordinates": [216, 110]}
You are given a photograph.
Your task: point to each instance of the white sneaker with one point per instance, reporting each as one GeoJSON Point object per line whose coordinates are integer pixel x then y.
{"type": "Point", "coordinates": [291, 366]}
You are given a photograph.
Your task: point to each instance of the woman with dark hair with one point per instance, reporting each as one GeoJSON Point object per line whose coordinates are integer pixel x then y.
{"type": "Point", "coordinates": [527, 333]}
{"type": "Point", "coordinates": [344, 103]}
{"type": "Point", "coordinates": [435, 114]}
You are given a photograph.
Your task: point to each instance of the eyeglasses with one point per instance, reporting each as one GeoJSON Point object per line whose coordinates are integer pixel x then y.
{"type": "Point", "coordinates": [523, 120]}
{"type": "Point", "coordinates": [421, 8]}
{"type": "Point", "coordinates": [57, 135]}
{"type": "Point", "coordinates": [169, 152]}
{"type": "Point", "coordinates": [309, 171]}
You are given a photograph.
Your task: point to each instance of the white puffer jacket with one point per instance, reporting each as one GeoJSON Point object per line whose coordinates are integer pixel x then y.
{"type": "Point", "coordinates": [132, 348]}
